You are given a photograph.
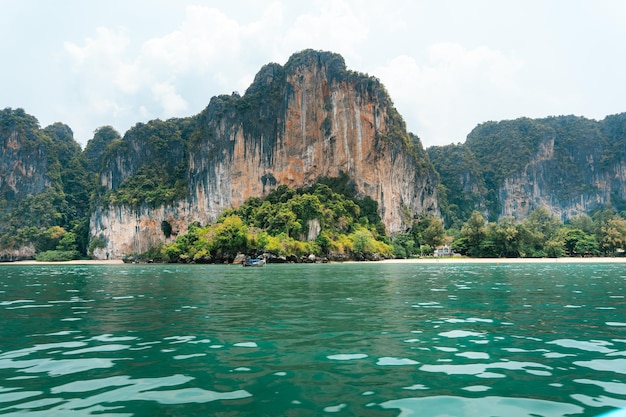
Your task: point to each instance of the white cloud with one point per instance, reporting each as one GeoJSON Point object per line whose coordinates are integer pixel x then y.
{"type": "Point", "coordinates": [152, 78]}
{"type": "Point", "coordinates": [105, 58]}
{"type": "Point", "coordinates": [171, 102]}
{"type": "Point", "coordinates": [209, 48]}
{"type": "Point", "coordinates": [441, 62]}
{"type": "Point", "coordinates": [442, 99]}
{"type": "Point", "coordinates": [106, 45]}
{"type": "Point", "coordinates": [333, 26]}
{"type": "Point", "coordinates": [205, 37]}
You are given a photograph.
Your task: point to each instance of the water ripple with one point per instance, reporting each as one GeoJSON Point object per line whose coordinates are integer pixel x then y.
{"type": "Point", "coordinates": [307, 340]}
{"type": "Point", "coordinates": [480, 407]}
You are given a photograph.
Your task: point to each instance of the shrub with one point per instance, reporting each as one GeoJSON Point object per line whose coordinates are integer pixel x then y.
{"type": "Point", "coordinates": [57, 256]}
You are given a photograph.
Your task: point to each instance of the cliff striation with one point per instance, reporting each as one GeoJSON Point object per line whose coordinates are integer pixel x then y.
{"type": "Point", "coordinates": [309, 119]}
{"type": "Point", "coordinates": [569, 165]}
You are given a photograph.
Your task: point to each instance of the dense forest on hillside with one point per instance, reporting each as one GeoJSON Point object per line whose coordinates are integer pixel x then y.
{"type": "Point", "coordinates": [153, 159]}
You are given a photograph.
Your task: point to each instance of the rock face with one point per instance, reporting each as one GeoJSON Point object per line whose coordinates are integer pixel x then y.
{"type": "Point", "coordinates": [38, 179]}
{"type": "Point", "coordinates": [310, 119]}
{"type": "Point", "coordinates": [126, 230]}
{"type": "Point", "coordinates": [23, 162]}
{"type": "Point", "coordinates": [569, 165]}
{"type": "Point", "coordinates": [24, 172]}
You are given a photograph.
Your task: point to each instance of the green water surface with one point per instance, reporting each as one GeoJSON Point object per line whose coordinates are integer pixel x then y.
{"type": "Point", "coordinates": [369, 339]}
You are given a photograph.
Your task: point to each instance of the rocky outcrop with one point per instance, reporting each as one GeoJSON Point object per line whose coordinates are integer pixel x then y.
{"type": "Point", "coordinates": [23, 162]}
{"type": "Point", "coordinates": [309, 119]}
{"type": "Point", "coordinates": [25, 252]}
{"type": "Point", "coordinates": [125, 230]}
{"type": "Point", "coordinates": [37, 183]}
{"type": "Point", "coordinates": [569, 165]}
{"type": "Point", "coordinates": [585, 185]}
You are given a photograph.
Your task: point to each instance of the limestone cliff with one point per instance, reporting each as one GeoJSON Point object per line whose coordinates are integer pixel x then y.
{"type": "Point", "coordinates": [296, 123]}
{"type": "Point", "coordinates": [41, 184]}
{"type": "Point", "coordinates": [23, 161]}
{"type": "Point", "coordinates": [569, 165]}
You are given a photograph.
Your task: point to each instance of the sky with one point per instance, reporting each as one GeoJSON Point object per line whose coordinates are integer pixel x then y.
{"type": "Point", "coordinates": [448, 65]}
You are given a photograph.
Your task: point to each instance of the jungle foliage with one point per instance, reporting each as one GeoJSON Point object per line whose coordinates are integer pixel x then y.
{"type": "Point", "coordinates": [344, 227]}
{"type": "Point", "coordinates": [46, 202]}
{"type": "Point", "coordinates": [543, 235]}
{"type": "Point", "coordinates": [57, 202]}
{"type": "Point", "coordinates": [154, 162]}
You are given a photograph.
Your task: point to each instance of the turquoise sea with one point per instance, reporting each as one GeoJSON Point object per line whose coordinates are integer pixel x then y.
{"type": "Point", "coordinates": [370, 339]}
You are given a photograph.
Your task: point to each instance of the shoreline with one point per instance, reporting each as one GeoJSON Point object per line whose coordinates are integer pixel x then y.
{"type": "Point", "coordinates": [75, 262]}
{"type": "Point", "coordinates": [441, 260]}
{"type": "Point", "coordinates": [460, 260]}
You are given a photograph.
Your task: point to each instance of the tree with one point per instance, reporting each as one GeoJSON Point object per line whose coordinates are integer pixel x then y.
{"type": "Point", "coordinates": [49, 239]}
{"type": "Point", "coordinates": [474, 232]}
{"type": "Point", "coordinates": [428, 230]}
{"type": "Point", "coordinates": [306, 206]}
{"type": "Point", "coordinates": [324, 242]}
{"type": "Point", "coordinates": [573, 242]}
{"type": "Point", "coordinates": [285, 221]}
{"type": "Point", "coordinates": [555, 247]}
{"type": "Point", "coordinates": [582, 222]}
{"type": "Point", "coordinates": [97, 146]}
{"type": "Point", "coordinates": [403, 246]}
{"type": "Point", "coordinates": [613, 234]}
{"type": "Point", "coordinates": [587, 246]}
{"type": "Point", "coordinates": [536, 231]}
{"type": "Point", "coordinates": [542, 221]}
{"type": "Point", "coordinates": [67, 242]}
{"type": "Point", "coordinates": [363, 243]}
{"type": "Point", "coordinates": [504, 236]}
{"type": "Point", "coordinates": [229, 237]}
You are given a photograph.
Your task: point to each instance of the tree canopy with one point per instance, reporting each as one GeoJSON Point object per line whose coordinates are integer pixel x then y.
{"type": "Point", "coordinates": [288, 223]}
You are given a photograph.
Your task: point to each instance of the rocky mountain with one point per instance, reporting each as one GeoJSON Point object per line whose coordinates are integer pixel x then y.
{"type": "Point", "coordinates": [569, 165]}
{"type": "Point", "coordinates": [309, 119]}
{"type": "Point", "coordinates": [42, 184]}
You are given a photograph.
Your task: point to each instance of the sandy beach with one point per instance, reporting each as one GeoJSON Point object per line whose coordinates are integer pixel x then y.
{"type": "Point", "coordinates": [461, 260]}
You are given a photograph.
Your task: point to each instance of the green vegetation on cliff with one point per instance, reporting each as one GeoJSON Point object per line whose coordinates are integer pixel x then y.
{"type": "Point", "coordinates": [149, 164]}
{"type": "Point", "coordinates": [44, 187]}
{"type": "Point", "coordinates": [339, 226]}
{"type": "Point", "coordinates": [576, 150]}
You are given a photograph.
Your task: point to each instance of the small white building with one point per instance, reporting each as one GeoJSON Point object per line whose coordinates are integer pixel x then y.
{"type": "Point", "coordinates": [443, 251]}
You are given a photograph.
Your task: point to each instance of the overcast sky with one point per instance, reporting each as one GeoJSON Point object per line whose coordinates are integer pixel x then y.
{"type": "Point", "coordinates": [447, 64]}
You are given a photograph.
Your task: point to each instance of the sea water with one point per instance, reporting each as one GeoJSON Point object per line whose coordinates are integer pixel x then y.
{"type": "Point", "coordinates": [370, 339]}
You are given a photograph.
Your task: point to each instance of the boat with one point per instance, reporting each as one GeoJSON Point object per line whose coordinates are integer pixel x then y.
{"type": "Point", "coordinates": [254, 262]}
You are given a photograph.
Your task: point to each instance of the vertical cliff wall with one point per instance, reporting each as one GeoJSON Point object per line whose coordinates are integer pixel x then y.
{"type": "Point", "coordinates": [296, 123]}
{"type": "Point", "coordinates": [577, 168]}
{"type": "Point", "coordinates": [569, 165]}
{"type": "Point", "coordinates": [23, 159]}
{"type": "Point", "coordinates": [41, 184]}
{"type": "Point", "coordinates": [23, 173]}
